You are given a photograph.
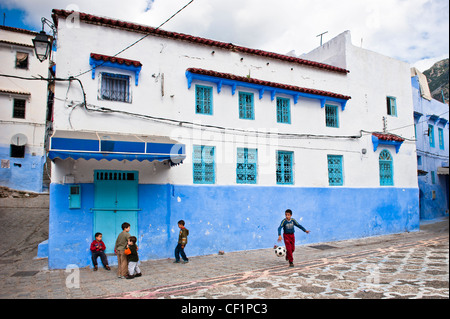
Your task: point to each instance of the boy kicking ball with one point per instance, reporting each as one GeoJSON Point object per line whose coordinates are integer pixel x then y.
{"type": "Point", "coordinates": [288, 235]}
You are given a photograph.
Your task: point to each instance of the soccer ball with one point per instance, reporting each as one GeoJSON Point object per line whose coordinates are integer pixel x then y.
{"type": "Point", "coordinates": [280, 251]}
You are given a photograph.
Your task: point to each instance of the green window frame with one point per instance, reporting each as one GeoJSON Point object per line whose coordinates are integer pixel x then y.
{"type": "Point", "coordinates": [246, 106]}
{"type": "Point", "coordinates": [335, 175]}
{"type": "Point", "coordinates": [285, 168]}
{"type": "Point", "coordinates": [386, 168]}
{"type": "Point", "coordinates": [203, 159]}
{"type": "Point", "coordinates": [441, 138]}
{"type": "Point", "coordinates": [431, 134]}
{"type": "Point", "coordinates": [247, 166]}
{"type": "Point", "coordinates": [283, 110]}
{"type": "Point", "coordinates": [331, 116]}
{"type": "Point", "coordinates": [203, 100]}
{"type": "Point", "coordinates": [391, 103]}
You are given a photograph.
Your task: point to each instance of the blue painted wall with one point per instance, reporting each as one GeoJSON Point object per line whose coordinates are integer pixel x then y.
{"type": "Point", "coordinates": [431, 157]}
{"type": "Point", "coordinates": [232, 218]}
{"type": "Point", "coordinates": [26, 175]}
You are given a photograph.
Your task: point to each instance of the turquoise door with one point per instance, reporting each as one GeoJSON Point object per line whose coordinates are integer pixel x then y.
{"type": "Point", "coordinates": [115, 202]}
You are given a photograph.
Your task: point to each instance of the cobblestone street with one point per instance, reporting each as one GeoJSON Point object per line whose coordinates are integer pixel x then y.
{"type": "Point", "coordinates": [413, 270]}
{"type": "Point", "coordinates": [406, 265]}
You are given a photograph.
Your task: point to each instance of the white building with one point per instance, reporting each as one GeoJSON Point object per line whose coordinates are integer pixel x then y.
{"type": "Point", "coordinates": [252, 133]}
{"type": "Point", "coordinates": [24, 111]}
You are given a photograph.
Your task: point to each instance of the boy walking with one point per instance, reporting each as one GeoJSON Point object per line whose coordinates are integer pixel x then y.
{"type": "Point", "coordinates": [133, 258]}
{"type": "Point", "coordinates": [182, 242]}
{"type": "Point", "coordinates": [98, 250]}
{"type": "Point", "coordinates": [119, 249]}
{"type": "Point", "coordinates": [289, 239]}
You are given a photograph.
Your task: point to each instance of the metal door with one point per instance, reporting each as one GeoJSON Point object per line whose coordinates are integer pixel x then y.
{"type": "Point", "coordinates": [115, 202]}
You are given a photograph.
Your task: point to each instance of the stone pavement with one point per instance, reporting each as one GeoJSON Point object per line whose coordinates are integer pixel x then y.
{"type": "Point", "coordinates": [406, 265]}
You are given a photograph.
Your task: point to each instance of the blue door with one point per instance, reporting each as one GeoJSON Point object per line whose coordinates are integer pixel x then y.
{"type": "Point", "coordinates": [115, 202]}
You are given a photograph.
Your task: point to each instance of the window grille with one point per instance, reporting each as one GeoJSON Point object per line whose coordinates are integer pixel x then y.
{"type": "Point", "coordinates": [246, 109]}
{"type": "Point", "coordinates": [386, 169]}
{"type": "Point", "coordinates": [335, 176]}
{"type": "Point", "coordinates": [115, 87]}
{"type": "Point", "coordinates": [331, 116]}
{"type": "Point", "coordinates": [19, 109]}
{"type": "Point", "coordinates": [284, 167]}
{"type": "Point", "coordinates": [203, 164]}
{"type": "Point", "coordinates": [115, 176]}
{"type": "Point", "coordinates": [203, 100]}
{"type": "Point", "coordinates": [283, 110]}
{"type": "Point", "coordinates": [246, 166]}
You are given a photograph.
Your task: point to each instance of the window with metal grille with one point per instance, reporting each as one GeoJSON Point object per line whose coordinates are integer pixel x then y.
{"type": "Point", "coordinates": [115, 176]}
{"type": "Point", "coordinates": [246, 166]}
{"type": "Point", "coordinates": [19, 108]}
{"type": "Point", "coordinates": [246, 106]}
{"type": "Point", "coordinates": [203, 164]}
{"type": "Point", "coordinates": [331, 116]}
{"type": "Point", "coordinates": [386, 169]}
{"type": "Point", "coordinates": [335, 176]}
{"type": "Point", "coordinates": [203, 100]}
{"type": "Point", "coordinates": [391, 104]}
{"type": "Point", "coordinates": [21, 60]}
{"type": "Point", "coordinates": [285, 167]}
{"type": "Point", "coordinates": [283, 110]}
{"type": "Point", "coordinates": [115, 87]}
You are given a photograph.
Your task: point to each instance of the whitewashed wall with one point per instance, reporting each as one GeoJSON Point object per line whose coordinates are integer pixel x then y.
{"type": "Point", "coordinates": [372, 77]}
{"type": "Point", "coordinates": [33, 126]}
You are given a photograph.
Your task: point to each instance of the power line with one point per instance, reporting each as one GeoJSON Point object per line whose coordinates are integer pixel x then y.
{"type": "Point", "coordinates": [142, 38]}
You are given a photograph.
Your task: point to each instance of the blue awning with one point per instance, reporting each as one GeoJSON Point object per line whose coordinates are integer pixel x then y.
{"type": "Point", "coordinates": [113, 146]}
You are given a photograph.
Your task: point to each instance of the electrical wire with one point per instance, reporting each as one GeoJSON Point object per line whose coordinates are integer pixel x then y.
{"type": "Point", "coordinates": [140, 39]}
{"type": "Point", "coordinates": [209, 127]}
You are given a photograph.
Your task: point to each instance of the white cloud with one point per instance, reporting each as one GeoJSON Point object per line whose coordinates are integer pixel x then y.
{"type": "Point", "coordinates": [409, 30]}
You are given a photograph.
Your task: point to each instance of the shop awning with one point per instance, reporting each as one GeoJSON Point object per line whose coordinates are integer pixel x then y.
{"type": "Point", "coordinates": [442, 171]}
{"type": "Point", "coordinates": [113, 146]}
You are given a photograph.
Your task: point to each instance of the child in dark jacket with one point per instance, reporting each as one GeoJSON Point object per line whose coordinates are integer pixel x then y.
{"type": "Point", "coordinates": [182, 242]}
{"type": "Point", "coordinates": [133, 258]}
{"type": "Point", "coordinates": [98, 250]}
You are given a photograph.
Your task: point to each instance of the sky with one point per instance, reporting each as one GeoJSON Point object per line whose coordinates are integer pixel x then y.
{"type": "Point", "coordinates": [414, 31]}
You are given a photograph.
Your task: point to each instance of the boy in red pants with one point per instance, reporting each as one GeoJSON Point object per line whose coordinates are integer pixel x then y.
{"type": "Point", "coordinates": [289, 239]}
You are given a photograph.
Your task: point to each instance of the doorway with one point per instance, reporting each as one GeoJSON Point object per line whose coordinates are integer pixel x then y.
{"type": "Point", "coordinates": [115, 202]}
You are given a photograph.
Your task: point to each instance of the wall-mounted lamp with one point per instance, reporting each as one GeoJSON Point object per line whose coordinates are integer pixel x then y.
{"type": "Point", "coordinates": [42, 42]}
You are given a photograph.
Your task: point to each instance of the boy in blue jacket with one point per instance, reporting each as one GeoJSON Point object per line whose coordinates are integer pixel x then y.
{"type": "Point", "coordinates": [289, 238]}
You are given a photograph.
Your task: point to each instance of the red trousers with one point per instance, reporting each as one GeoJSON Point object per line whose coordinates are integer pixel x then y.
{"type": "Point", "coordinates": [289, 242]}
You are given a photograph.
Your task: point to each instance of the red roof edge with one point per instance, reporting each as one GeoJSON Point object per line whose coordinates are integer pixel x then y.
{"type": "Point", "coordinates": [388, 137]}
{"type": "Point", "coordinates": [103, 57]}
{"type": "Point", "coordinates": [89, 18]}
{"type": "Point", "coordinates": [267, 83]}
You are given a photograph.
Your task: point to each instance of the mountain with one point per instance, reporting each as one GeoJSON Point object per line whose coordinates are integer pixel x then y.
{"type": "Point", "coordinates": [438, 78]}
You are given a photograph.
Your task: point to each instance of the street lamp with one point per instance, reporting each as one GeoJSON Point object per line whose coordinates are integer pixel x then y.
{"type": "Point", "coordinates": [42, 42]}
{"type": "Point", "coordinates": [42, 46]}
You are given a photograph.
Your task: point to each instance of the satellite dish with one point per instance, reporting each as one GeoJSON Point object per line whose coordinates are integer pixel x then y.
{"type": "Point", "coordinates": [19, 139]}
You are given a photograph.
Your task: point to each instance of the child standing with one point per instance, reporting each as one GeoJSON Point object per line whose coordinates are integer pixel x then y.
{"type": "Point", "coordinates": [98, 250]}
{"type": "Point", "coordinates": [133, 258]}
{"type": "Point", "coordinates": [182, 242]}
{"type": "Point", "coordinates": [289, 239]}
{"type": "Point", "coordinates": [119, 249]}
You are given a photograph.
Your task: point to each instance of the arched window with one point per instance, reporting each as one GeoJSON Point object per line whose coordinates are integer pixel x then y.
{"type": "Point", "coordinates": [386, 169]}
